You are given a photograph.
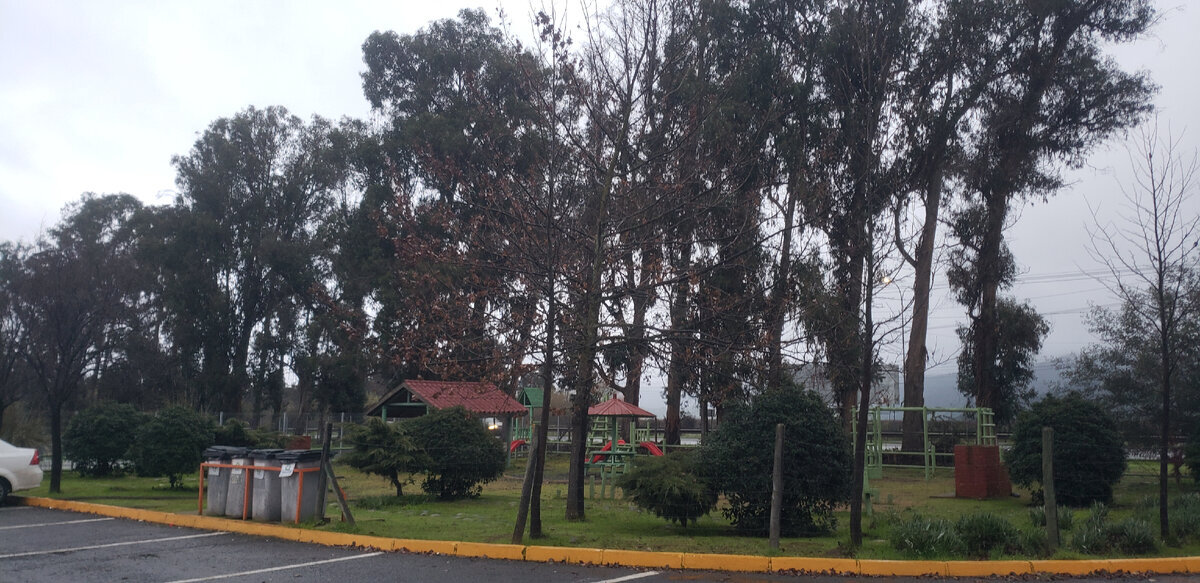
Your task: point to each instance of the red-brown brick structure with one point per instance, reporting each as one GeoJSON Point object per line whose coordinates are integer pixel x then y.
{"type": "Point", "coordinates": [978, 472]}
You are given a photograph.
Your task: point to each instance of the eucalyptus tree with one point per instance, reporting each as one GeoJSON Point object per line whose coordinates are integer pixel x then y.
{"type": "Point", "coordinates": [643, 89]}
{"type": "Point", "coordinates": [1060, 96]}
{"type": "Point", "coordinates": [240, 243]}
{"type": "Point", "coordinates": [455, 98]}
{"type": "Point", "coordinates": [504, 187]}
{"type": "Point", "coordinates": [962, 51]}
{"type": "Point", "coordinates": [863, 53]}
{"type": "Point", "coordinates": [797, 120]}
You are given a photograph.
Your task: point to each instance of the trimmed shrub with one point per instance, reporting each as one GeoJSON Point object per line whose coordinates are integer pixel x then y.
{"type": "Point", "coordinates": [981, 532]}
{"type": "Point", "coordinates": [172, 444]}
{"type": "Point", "coordinates": [460, 454]}
{"type": "Point", "coordinates": [739, 456]}
{"type": "Point", "coordinates": [1089, 456]}
{"type": "Point", "coordinates": [238, 434]}
{"type": "Point", "coordinates": [234, 433]}
{"type": "Point", "coordinates": [384, 450]}
{"type": "Point", "coordinates": [923, 538]}
{"type": "Point", "coordinates": [670, 487]}
{"type": "Point", "coordinates": [98, 438]}
{"type": "Point", "coordinates": [268, 438]}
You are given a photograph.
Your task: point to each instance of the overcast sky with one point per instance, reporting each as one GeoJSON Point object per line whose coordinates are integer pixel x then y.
{"type": "Point", "coordinates": [97, 96]}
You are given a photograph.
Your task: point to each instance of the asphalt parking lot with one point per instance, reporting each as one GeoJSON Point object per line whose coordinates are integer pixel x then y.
{"type": "Point", "coordinates": [41, 545]}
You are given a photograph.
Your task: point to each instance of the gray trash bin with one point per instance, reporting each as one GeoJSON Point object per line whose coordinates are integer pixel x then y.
{"type": "Point", "coordinates": [217, 479]}
{"type": "Point", "coordinates": [238, 501]}
{"type": "Point", "coordinates": [266, 492]}
{"type": "Point", "coordinates": [298, 490]}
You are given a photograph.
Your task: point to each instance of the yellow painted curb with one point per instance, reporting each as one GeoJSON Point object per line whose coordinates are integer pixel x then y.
{"type": "Point", "coordinates": [988, 568]}
{"type": "Point", "coordinates": [901, 568]}
{"type": "Point", "coordinates": [636, 559]}
{"type": "Point", "coordinates": [1064, 567]}
{"type": "Point", "coordinates": [815, 565]}
{"type": "Point", "coordinates": [491, 551]}
{"type": "Point", "coordinates": [643, 559]}
{"type": "Point", "coordinates": [1156, 565]}
{"type": "Point", "coordinates": [564, 555]}
{"type": "Point", "coordinates": [714, 562]}
{"type": "Point", "coordinates": [412, 545]}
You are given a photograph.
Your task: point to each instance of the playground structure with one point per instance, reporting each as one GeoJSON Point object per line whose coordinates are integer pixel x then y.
{"type": "Point", "coordinates": [980, 419]}
{"type": "Point", "coordinates": [522, 427]}
{"type": "Point", "coordinates": [615, 455]}
{"type": "Point", "coordinates": [608, 456]}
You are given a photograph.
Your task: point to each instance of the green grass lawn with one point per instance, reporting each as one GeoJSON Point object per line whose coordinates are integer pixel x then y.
{"type": "Point", "coordinates": [127, 491]}
{"type": "Point", "coordinates": [617, 523]}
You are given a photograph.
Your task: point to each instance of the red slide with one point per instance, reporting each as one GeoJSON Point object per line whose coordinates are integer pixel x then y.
{"type": "Point", "coordinates": [651, 447]}
{"type": "Point", "coordinates": [515, 444]}
{"type": "Point", "coordinates": [607, 446]}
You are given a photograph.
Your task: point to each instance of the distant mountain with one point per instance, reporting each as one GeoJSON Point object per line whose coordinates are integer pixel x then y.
{"type": "Point", "coordinates": [941, 390]}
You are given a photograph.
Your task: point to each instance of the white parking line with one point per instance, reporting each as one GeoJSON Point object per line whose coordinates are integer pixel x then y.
{"type": "Point", "coordinates": [105, 546]}
{"type": "Point", "coordinates": [7, 508]}
{"type": "Point", "coordinates": [54, 523]}
{"type": "Point", "coordinates": [630, 577]}
{"type": "Point", "coordinates": [272, 569]}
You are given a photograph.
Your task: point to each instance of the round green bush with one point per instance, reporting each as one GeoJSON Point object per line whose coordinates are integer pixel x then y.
{"type": "Point", "coordinates": [1089, 456]}
{"type": "Point", "coordinates": [383, 449]}
{"type": "Point", "coordinates": [460, 454]}
{"type": "Point", "coordinates": [172, 444]}
{"type": "Point", "coordinates": [670, 487]}
{"type": "Point", "coordinates": [738, 459]}
{"type": "Point", "coordinates": [234, 433]}
{"type": "Point", "coordinates": [98, 438]}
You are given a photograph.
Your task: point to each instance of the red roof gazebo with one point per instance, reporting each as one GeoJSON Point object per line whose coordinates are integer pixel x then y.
{"type": "Point", "coordinates": [617, 409]}
{"type": "Point", "coordinates": [413, 398]}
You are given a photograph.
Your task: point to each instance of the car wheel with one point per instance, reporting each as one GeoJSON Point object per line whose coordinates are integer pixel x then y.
{"type": "Point", "coordinates": [5, 488]}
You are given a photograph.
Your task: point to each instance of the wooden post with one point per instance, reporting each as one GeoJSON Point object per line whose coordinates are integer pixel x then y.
{"type": "Point", "coordinates": [1051, 504]}
{"type": "Point", "coordinates": [321, 483]}
{"type": "Point", "coordinates": [777, 488]}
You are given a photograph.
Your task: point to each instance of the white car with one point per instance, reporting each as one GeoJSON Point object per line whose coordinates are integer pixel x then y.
{"type": "Point", "coordinates": [19, 469]}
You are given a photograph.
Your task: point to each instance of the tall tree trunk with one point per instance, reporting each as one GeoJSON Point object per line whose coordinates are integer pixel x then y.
{"type": "Point", "coordinates": [584, 376]}
{"type": "Point", "coordinates": [642, 298]}
{"type": "Point", "coordinates": [543, 433]}
{"type": "Point", "coordinates": [677, 369]}
{"type": "Point", "coordinates": [56, 447]}
{"type": "Point", "coordinates": [865, 376]}
{"type": "Point", "coordinates": [1166, 350]}
{"type": "Point", "coordinates": [531, 488]}
{"type": "Point", "coordinates": [844, 360]}
{"type": "Point", "coordinates": [985, 322]}
{"type": "Point", "coordinates": [780, 289]}
{"type": "Point", "coordinates": [914, 361]}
